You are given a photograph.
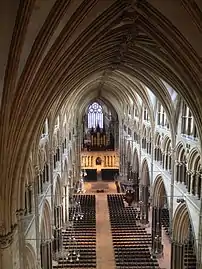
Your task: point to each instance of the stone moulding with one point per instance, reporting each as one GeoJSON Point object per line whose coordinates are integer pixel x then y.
{"type": "Point", "coordinates": [6, 240]}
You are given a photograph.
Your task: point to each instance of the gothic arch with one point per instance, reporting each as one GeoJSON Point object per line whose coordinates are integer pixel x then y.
{"type": "Point", "coordinates": [181, 163]}
{"type": "Point", "coordinates": [129, 152]}
{"type": "Point", "coordinates": [157, 147]}
{"type": "Point", "coordinates": [46, 236]}
{"type": "Point", "coordinates": [135, 174]}
{"type": "Point", "coordinates": [165, 143]}
{"type": "Point", "coordinates": [58, 192]}
{"type": "Point", "coordinates": [194, 159]}
{"type": "Point", "coordinates": [46, 150]}
{"type": "Point", "coordinates": [157, 139]}
{"type": "Point", "coordinates": [45, 225]}
{"type": "Point", "coordinates": [135, 164]}
{"type": "Point", "coordinates": [181, 224]}
{"type": "Point", "coordinates": [159, 192]}
{"type": "Point", "coordinates": [180, 152]}
{"type": "Point", "coordinates": [194, 170]}
{"type": "Point", "coordinates": [65, 176]}
{"type": "Point", "coordinates": [30, 257]}
{"type": "Point", "coordinates": [145, 178]}
{"type": "Point", "coordinates": [167, 157]}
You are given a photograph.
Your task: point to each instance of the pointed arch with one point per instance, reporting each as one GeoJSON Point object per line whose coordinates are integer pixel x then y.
{"type": "Point", "coordinates": [183, 229]}
{"type": "Point", "coordinates": [30, 257]}
{"type": "Point", "coordinates": [129, 152]}
{"type": "Point", "coordinates": [145, 178]}
{"type": "Point", "coordinates": [135, 163]}
{"type": "Point", "coordinates": [159, 192]}
{"type": "Point", "coordinates": [45, 224]}
{"type": "Point", "coordinates": [58, 192]}
{"type": "Point", "coordinates": [194, 159]}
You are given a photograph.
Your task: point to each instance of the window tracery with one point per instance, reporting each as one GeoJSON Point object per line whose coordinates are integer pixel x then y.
{"type": "Point", "coordinates": [95, 115]}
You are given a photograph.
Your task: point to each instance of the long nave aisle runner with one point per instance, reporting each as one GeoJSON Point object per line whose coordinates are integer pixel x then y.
{"type": "Point", "coordinates": [104, 246]}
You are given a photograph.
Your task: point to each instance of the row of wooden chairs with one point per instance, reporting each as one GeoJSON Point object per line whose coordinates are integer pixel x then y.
{"type": "Point", "coordinates": [131, 242]}
{"type": "Point", "coordinates": [79, 242]}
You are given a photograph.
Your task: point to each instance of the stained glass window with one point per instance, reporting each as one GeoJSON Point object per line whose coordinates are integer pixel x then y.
{"type": "Point", "coordinates": [95, 115]}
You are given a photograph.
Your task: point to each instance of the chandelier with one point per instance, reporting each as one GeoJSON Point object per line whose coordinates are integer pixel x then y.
{"type": "Point", "coordinates": [71, 253]}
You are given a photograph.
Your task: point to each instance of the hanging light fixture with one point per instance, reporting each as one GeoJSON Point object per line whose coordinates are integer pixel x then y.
{"type": "Point", "coordinates": [71, 253]}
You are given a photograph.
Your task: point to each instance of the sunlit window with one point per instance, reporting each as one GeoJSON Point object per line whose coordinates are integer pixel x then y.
{"type": "Point", "coordinates": [95, 115]}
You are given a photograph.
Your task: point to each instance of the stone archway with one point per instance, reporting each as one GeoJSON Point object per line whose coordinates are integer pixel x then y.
{"type": "Point", "coordinates": [183, 239]}
{"type": "Point", "coordinates": [46, 237]}
{"type": "Point", "coordinates": [158, 206]}
{"type": "Point", "coordinates": [66, 185]}
{"type": "Point", "coordinates": [135, 175]}
{"type": "Point", "coordinates": [129, 161]}
{"type": "Point", "coordinates": [30, 257]}
{"type": "Point", "coordinates": [58, 217]}
{"type": "Point", "coordinates": [144, 193]}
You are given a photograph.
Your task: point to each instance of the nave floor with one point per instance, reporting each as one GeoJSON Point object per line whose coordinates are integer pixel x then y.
{"type": "Point", "coordinates": [92, 187]}
{"type": "Point", "coordinates": [104, 245]}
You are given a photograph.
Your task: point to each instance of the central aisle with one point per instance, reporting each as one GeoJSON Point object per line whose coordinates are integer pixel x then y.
{"type": "Point", "coordinates": [104, 245]}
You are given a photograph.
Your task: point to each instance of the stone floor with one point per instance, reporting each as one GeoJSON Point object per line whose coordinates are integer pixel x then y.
{"type": "Point", "coordinates": [104, 246]}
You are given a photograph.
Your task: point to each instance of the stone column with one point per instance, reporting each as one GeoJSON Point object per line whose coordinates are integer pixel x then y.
{"type": "Point", "coordinates": [196, 185]}
{"type": "Point", "coordinates": [146, 203]}
{"type": "Point", "coordinates": [30, 198]}
{"type": "Point", "coordinates": [136, 186]}
{"type": "Point", "coordinates": [188, 181]}
{"type": "Point", "coordinates": [177, 255]}
{"type": "Point", "coordinates": [116, 144]}
{"type": "Point", "coordinates": [172, 182]}
{"type": "Point", "coordinates": [163, 160]}
{"type": "Point", "coordinates": [199, 251]}
{"type": "Point", "coordinates": [144, 209]}
{"type": "Point", "coordinates": [156, 231]}
{"type": "Point", "coordinates": [8, 248]}
{"type": "Point", "coordinates": [36, 212]}
{"type": "Point", "coordinates": [193, 180]}
{"type": "Point", "coordinates": [46, 254]}
{"type": "Point", "coordinates": [21, 239]}
{"type": "Point", "coordinates": [121, 150]}
{"type": "Point", "coordinates": [177, 166]}
{"type": "Point", "coordinates": [66, 204]}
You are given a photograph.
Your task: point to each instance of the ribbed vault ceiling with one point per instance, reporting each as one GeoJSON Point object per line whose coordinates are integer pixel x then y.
{"type": "Point", "coordinates": [66, 53]}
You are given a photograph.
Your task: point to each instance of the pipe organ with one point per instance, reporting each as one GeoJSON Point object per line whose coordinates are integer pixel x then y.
{"type": "Point", "coordinates": [98, 139]}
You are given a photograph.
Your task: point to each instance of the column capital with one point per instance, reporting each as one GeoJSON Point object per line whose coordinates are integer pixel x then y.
{"type": "Point", "coordinates": [189, 172]}
{"type": "Point", "coordinates": [20, 213]}
{"type": "Point", "coordinates": [6, 240]}
{"type": "Point", "coordinates": [37, 170]}
{"type": "Point", "coordinates": [51, 151]}
{"type": "Point", "coordinates": [29, 186]}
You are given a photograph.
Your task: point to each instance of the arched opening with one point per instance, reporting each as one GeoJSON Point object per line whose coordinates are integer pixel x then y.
{"type": "Point", "coordinates": [135, 176]}
{"type": "Point", "coordinates": [167, 159]}
{"type": "Point", "coordinates": [58, 218]}
{"type": "Point", "coordinates": [194, 174]}
{"type": "Point", "coordinates": [66, 186]}
{"type": "Point", "coordinates": [157, 148]}
{"type": "Point", "coordinates": [30, 257]}
{"type": "Point", "coordinates": [46, 237]}
{"type": "Point", "coordinates": [144, 193]}
{"type": "Point", "coordinates": [181, 168]}
{"type": "Point", "coordinates": [129, 161]}
{"type": "Point", "coordinates": [183, 241]}
{"type": "Point", "coordinates": [160, 215]}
